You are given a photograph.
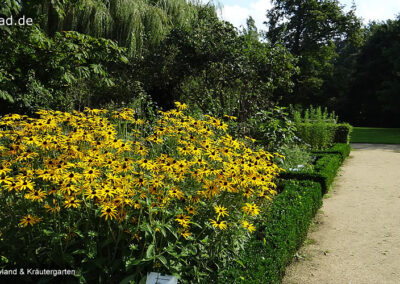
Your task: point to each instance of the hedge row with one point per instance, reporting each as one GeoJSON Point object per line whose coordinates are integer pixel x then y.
{"type": "Point", "coordinates": [285, 228]}
{"type": "Point", "coordinates": [325, 169]}
{"type": "Point", "coordinates": [340, 148]}
{"type": "Point", "coordinates": [341, 131]}
{"type": "Point", "coordinates": [286, 223]}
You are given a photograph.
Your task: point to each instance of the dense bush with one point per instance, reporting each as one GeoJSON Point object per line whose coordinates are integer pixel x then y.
{"type": "Point", "coordinates": [68, 71]}
{"type": "Point", "coordinates": [297, 157]}
{"type": "Point", "coordinates": [318, 128]}
{"type": "Point", "coordinates": [273, 129]}
{"type": "Point", "coordinates": [317, 134]}
{"type": "Point", "coordinates": [286, 225]}
{"type": "Point", "coordinates": [342, 132]}
{"type": "Point", "coordinates": [216, 68]}
{"type": "Point", "coordinates": [322, 135]}
{"type": "Point", "coordinates": [91, 192]}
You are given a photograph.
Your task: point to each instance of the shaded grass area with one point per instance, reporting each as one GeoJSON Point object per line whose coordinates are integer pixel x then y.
{"type": "Point", "coordinates": [375, 135]}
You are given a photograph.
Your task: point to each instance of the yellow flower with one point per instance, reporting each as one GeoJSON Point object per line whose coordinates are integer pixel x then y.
{"type": "Point", "coordinates": [72, 177]}
{"type": "Point", "coordinates": [191, 210]}
{"type": "Point", "coordinates": [109, 211]}
{"type": "Point", "coordinates": [5, 179]}
{"type": "Point", "coordinates": [219, 224]}
{"type": "Point", "coordinates": [54, 209]}
{"type": "Point", "coordinates": [140, 182]}
{"type": "Point", "coordinates": [251, 209]}
{"type": "Point", "coordinates": [71, 202]}
{"type": "Point", "coordinates": [221, 211]}
{"type": "Point", "coordinates": [4, 169]}
{"type": "Point", "coordinates": [175, 192]}
{"type": "Point", "coordinates": [181, 106]}
{"type": "Point", "coordinates": [29, 220]}
{"type": "Point", "coordinates": [250, 227]}
{"type": "Point", "coordinates": [183, 220]}
{"type": "Point", "coordinates": [23, 184]}
{"type": "Point", "coordinates": [35, 195]}
{"type": "Point", "coordinates": [186, 234]}
{"type": "Point", "coordinates": [108, 191]}
{"type": "Point", "coordinates": [230, 117]}
{"type": "Point", "coordinates": [92, 193]}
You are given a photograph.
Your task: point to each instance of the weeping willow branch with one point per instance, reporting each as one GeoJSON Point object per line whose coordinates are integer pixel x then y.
{"type": "Point", "coordinates": [135, 24]}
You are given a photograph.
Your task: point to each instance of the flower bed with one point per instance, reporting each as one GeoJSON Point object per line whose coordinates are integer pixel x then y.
{"type": "Point", "coordinates": [90, 191]}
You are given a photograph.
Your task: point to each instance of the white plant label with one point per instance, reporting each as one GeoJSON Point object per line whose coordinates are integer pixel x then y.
{"type": "Point", "coordinates": [158, 278]}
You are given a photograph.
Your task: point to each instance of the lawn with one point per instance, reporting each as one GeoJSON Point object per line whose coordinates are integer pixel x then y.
{"type": "Point", "coordinates": [375, 135]}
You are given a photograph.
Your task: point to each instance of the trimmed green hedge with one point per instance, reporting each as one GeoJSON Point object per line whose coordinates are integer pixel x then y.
{"type": "Point", "coordinates": [285, 228]}
{"type": "Point", "coordinates": [342, 133]}
{"type": "Point", "coordinates": [340, 148]}
{"type": "Point", "coordinates": [286, 222]}
{"type": "Point", "coordinates": [325, 171]}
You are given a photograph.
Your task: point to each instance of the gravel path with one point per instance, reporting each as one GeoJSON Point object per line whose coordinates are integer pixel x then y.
{"type": "Point", "coordinates": [356, 237]}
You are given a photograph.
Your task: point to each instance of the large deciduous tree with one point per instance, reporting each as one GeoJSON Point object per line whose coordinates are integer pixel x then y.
{"type": "Point", "coordinates": [311, 30]}
{"type": "Point", "coordinates": [135, 24]}
{"type": "Point", "coordinates": [374, 94]}
{"type": "Point", "coordinates": [218, 69]}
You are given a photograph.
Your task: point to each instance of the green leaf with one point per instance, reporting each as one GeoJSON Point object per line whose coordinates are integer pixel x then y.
{"type": "Point", "coordinates": [128, 279]}
{"type": "Point", "coordinates": [79, 251]}
{"type": "Point", "coordinates": [163, 260]}
{"type": "Point", "coordinates": [240, 262]}
{"type": "Point", "coordinates": [150, 251]}
{"type": "Point", "coordinates": [6, 96]}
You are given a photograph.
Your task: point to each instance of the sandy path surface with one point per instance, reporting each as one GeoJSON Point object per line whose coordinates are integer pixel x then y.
{"type": "Point", "coordinates": [356, 237]}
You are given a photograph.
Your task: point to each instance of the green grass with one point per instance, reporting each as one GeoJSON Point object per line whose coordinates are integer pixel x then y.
{"type": "Point", "coordinates": [375, 135]}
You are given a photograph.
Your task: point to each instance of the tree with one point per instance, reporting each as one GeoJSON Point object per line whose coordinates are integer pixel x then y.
{"type": "Point", "coordinates": [135, 24]}
{"type": "Point", "coordinates": [214, 67]}
{"type": "Point", "coordinates": [64, 72]}
{"type": "Point", "coordinates": [374, 93]}
{"type": "Point", "coordinates": [311, 30]}
{"type": "Point", "coordinates": [336, 89]}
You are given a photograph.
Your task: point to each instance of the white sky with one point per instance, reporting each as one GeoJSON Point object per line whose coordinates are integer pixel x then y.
{"type": "Point", "coordinates": [237, 11]}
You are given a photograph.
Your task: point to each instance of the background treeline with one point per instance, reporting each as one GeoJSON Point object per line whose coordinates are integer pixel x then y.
{"type": "Point", "coordinates": [139, 52]}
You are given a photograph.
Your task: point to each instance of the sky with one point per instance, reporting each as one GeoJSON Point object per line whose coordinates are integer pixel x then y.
{"type": "Point", "coordinates": [237, 11]}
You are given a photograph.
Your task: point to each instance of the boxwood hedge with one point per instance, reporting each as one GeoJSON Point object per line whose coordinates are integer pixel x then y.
{"type": "Point", "coordinates": [325, 169]}
{"type": "Point", "coordinates": [284, 229]}
{"type": "Point", "coordinates": [286, 222]}
{"type": "Point", "coordinates": [340, 148]}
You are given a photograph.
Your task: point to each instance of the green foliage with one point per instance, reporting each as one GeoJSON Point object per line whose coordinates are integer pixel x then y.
{"type": "Point", "coordinates": [8, 8]}
{"type": "Point", "coordinates": [138, 25]}
{"type": "Point", "coordinates": [314, 127]}
{"type": "Point", "coordinates": [63, 72]}
{"type": "Point", "coordinates": [373, 96]}
{"type": "Point", "coordinates": [273, 129]}
{"type": "Point", "coordinates": [324, 172]}
{"type": "Point", "coordinates": [340, 148]}
{"type": "Point", "coordinates": [219, 70]}
{"type": "Point", "coordinates": [297, 157]}
{"type": "Point", "coordinates": [286, 225]}
{"type": "Point", "coordinates": [342, 132]}
{"type": "Point", "coordinates": [321, 135]}
{"type": "Point", "coordinates": [318, 135]}
{"type": "Point", "coordinates": [311, 30]}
